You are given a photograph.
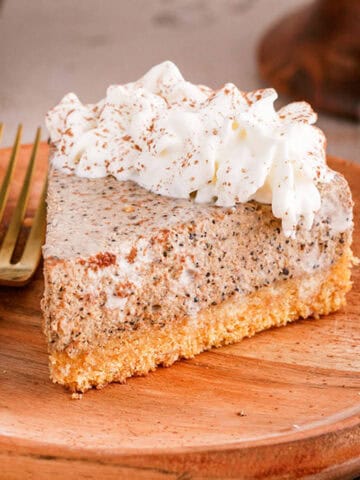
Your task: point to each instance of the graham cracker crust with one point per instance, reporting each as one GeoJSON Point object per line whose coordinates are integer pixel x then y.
{"type": "Point", "coordinates": [140, 351]}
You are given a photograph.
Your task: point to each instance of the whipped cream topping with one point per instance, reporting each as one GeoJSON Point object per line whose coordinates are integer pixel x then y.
{"type": "Point", "coordinates": [183, 140]}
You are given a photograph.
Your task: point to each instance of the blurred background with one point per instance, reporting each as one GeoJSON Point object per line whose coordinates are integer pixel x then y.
{"type": "Point", "coordinates": [51, 47]}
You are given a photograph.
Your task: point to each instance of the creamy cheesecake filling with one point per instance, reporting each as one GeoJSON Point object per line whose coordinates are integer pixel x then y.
{"type": "Point", "coordinates": [118, 256]}
{"type": "Point", "coordinates": [182, 140]}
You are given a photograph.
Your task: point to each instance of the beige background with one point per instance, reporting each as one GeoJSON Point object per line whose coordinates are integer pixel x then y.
{"type": "Point", "coordinates": [50, 47]}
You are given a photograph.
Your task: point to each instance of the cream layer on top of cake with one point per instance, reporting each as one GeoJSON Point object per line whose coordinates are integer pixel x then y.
{"type": "Point", "coordinates": [183, 140]}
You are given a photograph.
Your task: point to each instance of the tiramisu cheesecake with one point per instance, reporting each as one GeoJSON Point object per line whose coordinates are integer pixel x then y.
{"type": "Point", "coordinates": [182, 218]}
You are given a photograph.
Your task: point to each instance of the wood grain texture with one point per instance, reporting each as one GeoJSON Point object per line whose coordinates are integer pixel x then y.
{"type": "Point", "coordinates": [284, 404]}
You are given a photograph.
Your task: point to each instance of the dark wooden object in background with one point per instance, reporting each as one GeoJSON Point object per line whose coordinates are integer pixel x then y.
{"type": "Point", "coordinates": [314, 54]}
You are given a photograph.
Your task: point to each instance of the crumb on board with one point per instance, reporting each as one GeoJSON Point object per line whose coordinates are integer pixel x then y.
{"type": "Point", "coordinates": [76, 396]}
{"type": "Point", "coordinates": [241, 413]}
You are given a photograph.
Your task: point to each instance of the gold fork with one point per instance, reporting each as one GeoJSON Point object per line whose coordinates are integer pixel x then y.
{"type": "Point", "coordinates": [20, 273]}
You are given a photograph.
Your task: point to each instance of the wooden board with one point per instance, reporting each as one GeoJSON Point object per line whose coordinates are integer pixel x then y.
{"type": "Point", "coordinates": [284, 404]}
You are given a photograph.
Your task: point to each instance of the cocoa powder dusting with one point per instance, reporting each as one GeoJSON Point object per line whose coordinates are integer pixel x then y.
{"type": "Point", "coordinates": [132, 255]}
{"type": "Point", "coordinates": [101, 260]}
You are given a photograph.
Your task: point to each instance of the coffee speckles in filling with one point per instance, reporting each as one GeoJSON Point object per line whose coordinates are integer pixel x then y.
{"type": "Point", "coordinates": [168, 257]}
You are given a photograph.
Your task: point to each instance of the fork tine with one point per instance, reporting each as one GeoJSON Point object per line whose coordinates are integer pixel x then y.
{"type": "Point", "coordinates": [4, 192]}
{"type": "Point", "coordinates": [12, 233]}
{"type": "Point", "coordinates": [32, 250]}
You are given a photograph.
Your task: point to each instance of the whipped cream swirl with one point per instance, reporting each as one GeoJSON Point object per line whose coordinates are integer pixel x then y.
{"type": "Point", "coordinates": [189, 141]}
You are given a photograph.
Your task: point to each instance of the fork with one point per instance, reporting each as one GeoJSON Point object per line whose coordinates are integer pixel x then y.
{"type": "Point", "coordinates": [20, 273]}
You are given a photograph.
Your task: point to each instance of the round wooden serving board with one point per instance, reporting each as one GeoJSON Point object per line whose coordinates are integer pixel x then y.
{"type": "Point", "coordinates": [283, 404]}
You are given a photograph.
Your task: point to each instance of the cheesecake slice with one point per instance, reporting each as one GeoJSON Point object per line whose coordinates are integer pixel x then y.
{"type": "Point", "coordinates": [182, 218]}
{"type": "Point", "coordinates": [134, 280]}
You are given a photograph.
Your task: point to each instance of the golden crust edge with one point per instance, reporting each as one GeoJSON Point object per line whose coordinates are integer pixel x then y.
{"type": "Point", "coordinates": [142, 351]}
